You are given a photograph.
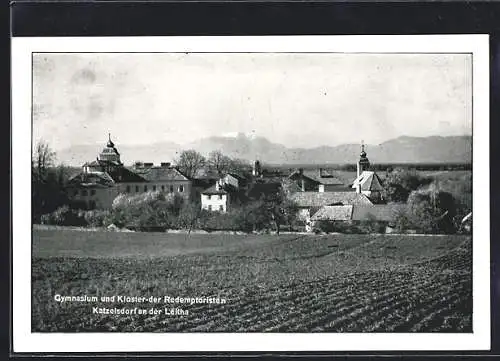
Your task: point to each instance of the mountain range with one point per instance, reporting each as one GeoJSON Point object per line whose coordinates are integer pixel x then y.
{"type": "Point", "coordinates": [404, 149]}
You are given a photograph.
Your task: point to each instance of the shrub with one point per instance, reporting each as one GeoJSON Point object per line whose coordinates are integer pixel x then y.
{"type": "Point", "coordinates": [64, 216]}
{"type": "Point", "coordinates": [97, 218]}
{"type": "Point", "coordinates": [334, 227]}
{"type": "Point", "coordinates": [431, 211]}
{"type": "Point", "coordinates": [146, 211]}
{"type": "Point", "coordinates": [400, 182]}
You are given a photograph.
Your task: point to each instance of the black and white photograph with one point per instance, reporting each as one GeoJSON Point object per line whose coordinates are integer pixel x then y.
{"type": "Point", "coordinates": [253, 192]}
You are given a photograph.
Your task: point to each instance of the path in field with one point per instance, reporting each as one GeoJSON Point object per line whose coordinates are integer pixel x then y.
{"type": "Point", "coordinates": [344, 283]}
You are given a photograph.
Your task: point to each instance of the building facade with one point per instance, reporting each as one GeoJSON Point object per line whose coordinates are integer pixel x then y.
{"type": "Point", "coordinates": [367, 182]}
{"type": "Point", "coordinates": [103, 179]}
{"type": "Point", "coordinates": [215, 198]}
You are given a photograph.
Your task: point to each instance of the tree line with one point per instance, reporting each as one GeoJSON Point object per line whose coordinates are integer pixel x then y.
{"type": "Point", "coordinates": [433, 205]}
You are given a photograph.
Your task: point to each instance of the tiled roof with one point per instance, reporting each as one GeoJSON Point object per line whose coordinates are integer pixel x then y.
{"type": "Point", "coordinates": [333, 213]}
{"type": "Point", "coordinates": [314, 175]}
{"type": "Point", "coordinates": [237, 176]}
{"type": "Point", "coordinates": [91, 179]}
{"type": "Point", "coordinates": [379, 212]}
{"type": "Point", "coordinates": [124, 175]}
{"type": "Point", "coordinates": [213, 190]}
{"type": "Point", "coordinates": [158, 174]}
{"type": "Point", "coordinates": [369, 181]}
{"type": "Point", "coordinates": [319, 199]}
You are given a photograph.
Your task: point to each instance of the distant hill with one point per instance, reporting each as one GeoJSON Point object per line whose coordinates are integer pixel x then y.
{"type": "Point", "coordinates": [404, 149]}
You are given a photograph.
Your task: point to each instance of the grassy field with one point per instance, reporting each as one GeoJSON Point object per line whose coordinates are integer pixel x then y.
{"type": "Point", "coordinates": [286, 283]}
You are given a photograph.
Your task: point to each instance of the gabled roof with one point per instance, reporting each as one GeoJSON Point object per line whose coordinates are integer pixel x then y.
{"type": "Point", "coordinates": [124, 175]}
{"type": "Point", "coordinates": [158, 174]}
{"type": "Point", "coordinates": [318, 176]}
{"type": "Point", "coordinates": [333, 213]}
{"type": "Point", "coordinates": [319, 199]}
{"type": "Point", "coordinates": [213, 190]}
{"type": "Point", "coordinates": [369, 181]}
{"type": "Point", "coordinates": [379, 212]}
{"type": "Point", "coordinates": [237, 176]}
{"type": "Point", "coordinates": [89, 179]}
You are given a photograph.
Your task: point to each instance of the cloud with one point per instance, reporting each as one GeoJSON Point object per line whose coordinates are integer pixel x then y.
{"type": "Point", "coordinates": [294, 99]}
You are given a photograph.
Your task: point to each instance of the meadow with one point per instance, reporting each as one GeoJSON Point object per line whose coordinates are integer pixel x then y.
{"type": "Point", "coordinates": [285, 283]}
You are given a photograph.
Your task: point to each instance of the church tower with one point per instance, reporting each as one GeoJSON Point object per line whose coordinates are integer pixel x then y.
{"type": "Point", "coordinates": [257, 169]}
{"type": "Point", "coordinates": [363, 162]}
{"type": "Point", "coordinates": [362, 165]}
{"type": "Point", "coordinates": [110, 153]}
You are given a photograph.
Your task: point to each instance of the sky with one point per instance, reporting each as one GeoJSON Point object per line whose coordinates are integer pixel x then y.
{"type": "Point", "coordinates": [298, 100]}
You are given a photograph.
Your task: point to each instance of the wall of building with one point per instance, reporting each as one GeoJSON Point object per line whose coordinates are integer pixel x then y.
{"type": "Point", "coordinates": [181, 187]}
{"type": "Point", "coordinates": [215, 202]}
{"type": "Point", "coordinates": [101, 198]}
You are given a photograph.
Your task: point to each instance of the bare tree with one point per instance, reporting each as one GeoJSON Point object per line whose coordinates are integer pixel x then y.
{"type": "Point", "coordinates": [43, 158]}
{"type": "Point", "coordinates": [218, 161]}
{"type": "Point", "coordinates": [189, 162]}
{"type": "Point", "coordinates": [240, 166]}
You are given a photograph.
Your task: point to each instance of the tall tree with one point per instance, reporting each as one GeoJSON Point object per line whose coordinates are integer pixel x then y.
{"type": "Point", "coordinates": [219, 162]}
{"type": "Point", "coordinates": [190, 162]}
{"type": "Point", "coordinates": [48, 181]}
{"type": "Point", "coordinates": [43, 158]}
{"type": "Point", "coordinates": [401, 182]}
{"type": "Point", "coordinates": [240, 166]}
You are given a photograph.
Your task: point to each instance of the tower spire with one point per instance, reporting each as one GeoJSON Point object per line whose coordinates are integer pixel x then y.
{"type": "Point", "coordinates": [110, 143]}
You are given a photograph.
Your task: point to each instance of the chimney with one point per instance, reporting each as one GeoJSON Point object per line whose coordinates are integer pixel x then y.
{"type": "Point", "coordinates": [321, 172]}
{"type": "Point", "coordinates": [165, 164]}
{"type": "Point", "coordinates": [217, 185]}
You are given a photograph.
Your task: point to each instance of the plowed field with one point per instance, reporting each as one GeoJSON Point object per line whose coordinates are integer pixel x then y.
{"type": "Point", "coordinates": [287, 283]}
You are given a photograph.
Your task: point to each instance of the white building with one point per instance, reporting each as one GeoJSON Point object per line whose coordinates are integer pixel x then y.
{"type": "Point", "coordinates": [215, 198]}
{"type": "Point", "coordinates": [367, 182]}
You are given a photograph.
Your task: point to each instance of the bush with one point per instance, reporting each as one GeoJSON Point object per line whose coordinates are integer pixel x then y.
{"type": "Point", "coordinates": [98, 218]}
{"type": "Point", "coordinates": [400, 182]}
{"type": "Point", "coordinates": [334, 227]}
{"type": "Point", "coordinates": [146, 211]}
{"type": "Point", "coordinates": [432, 211]}
{"type": "Point", "coordinates": [64, 216]}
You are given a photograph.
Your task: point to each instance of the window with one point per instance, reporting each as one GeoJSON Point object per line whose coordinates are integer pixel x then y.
{"type": "Point", "coordinates": [136, 189]}
{"type": "Point", "coordinates": [154, 188]}
{"type": "Point", "coordinates": [220, 196]}
{"type": "Point", "coordinates": [209, 197]}
{"type": "Point", "coordinates": [162, 188]}
{"type": "Point", "coordinates": [181, 188]}
{"type": "Point", "coordinates": [209, 207]}
{"type": "Point", "coordinates": [92, 192]}
{"type": "Point", "coordinates": [76, 192]}
{"type": "Point", "coordinates": [221, 208]}
{"type": "Point", "coordinates": [171, 188]}
{"type": "Point", "coordinates": [145, 188]}
{"type": "Point", "coordinates": [128, 189]}
{"type": "Point", "coordinates": [84, 192]}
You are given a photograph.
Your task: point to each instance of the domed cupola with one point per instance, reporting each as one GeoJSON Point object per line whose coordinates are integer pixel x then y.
{"type": "Point", "coordinates": [110, 153]}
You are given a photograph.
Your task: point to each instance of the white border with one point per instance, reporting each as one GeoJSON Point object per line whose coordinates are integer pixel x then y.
{"type": "Point", "coordinates": [25, 341]}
